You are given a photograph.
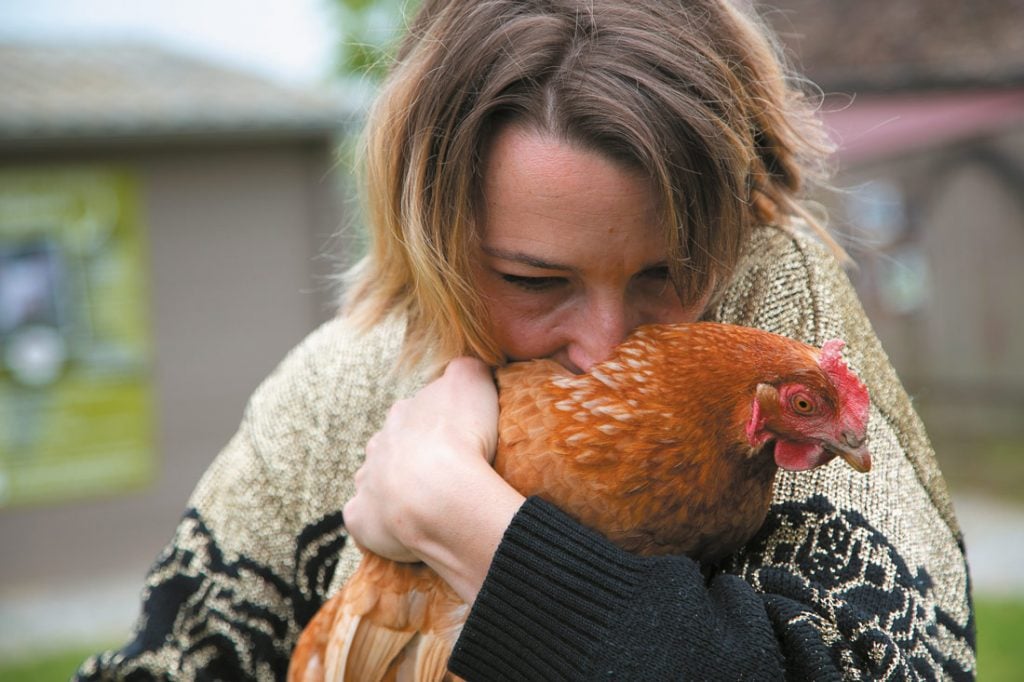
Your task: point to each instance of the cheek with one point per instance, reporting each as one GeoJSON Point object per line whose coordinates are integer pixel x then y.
{"type": "Point", "coordinates": [673, 312]}
{"type": "Point", "coordinates": [524, 334]}
{"type": "Point", "coordinates": [666, 308]}
{"type": "Point", "coordinates": [525, 326]}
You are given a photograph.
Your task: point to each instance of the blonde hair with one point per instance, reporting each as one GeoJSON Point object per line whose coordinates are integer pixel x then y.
{"type": "Point", "coordinates": [692, 93]}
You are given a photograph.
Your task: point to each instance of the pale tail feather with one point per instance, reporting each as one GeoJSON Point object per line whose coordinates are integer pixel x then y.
{"type": "Point", "coordinates": [376, 647]}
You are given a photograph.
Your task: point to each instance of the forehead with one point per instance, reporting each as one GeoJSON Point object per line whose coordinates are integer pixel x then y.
{"type": "Point", "coordinates": [536, 186]}
{"type": "Point", "coordinates": [519, 155]}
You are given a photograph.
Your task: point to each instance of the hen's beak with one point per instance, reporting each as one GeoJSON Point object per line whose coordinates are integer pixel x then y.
{"type": "Point", "coordinates": [852, 448]}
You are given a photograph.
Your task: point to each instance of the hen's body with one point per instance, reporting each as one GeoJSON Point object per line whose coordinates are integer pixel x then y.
{"type": "Point", "coordinates": [655, 474]}
{"type": "Point", "coordinates": [665, 448]}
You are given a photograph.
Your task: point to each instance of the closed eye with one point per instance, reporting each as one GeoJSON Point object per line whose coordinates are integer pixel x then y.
{"type": "Point", "coordinates": [656, 280]}
{"type": "Point", "coordinates": [534, 283]}
{"type": "Point", "coordinates": [659, 272]}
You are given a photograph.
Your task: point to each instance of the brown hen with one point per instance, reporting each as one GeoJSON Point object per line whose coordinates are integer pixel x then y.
{"type": "Point", "coordinates": [668, 447]}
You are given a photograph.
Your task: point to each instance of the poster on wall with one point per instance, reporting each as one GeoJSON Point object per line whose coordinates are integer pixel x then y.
{"type": "Point", "coordinates": [76, 394]}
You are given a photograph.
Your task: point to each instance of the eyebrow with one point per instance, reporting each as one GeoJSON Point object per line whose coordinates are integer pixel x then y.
{"type": "Point", "coordinates": [525, 259]}
{"type": "Point", "coordinates": [533, 261]}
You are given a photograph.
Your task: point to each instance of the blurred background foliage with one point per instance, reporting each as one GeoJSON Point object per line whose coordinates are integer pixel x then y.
{"type": "Point", "coordinates": [370, 30]}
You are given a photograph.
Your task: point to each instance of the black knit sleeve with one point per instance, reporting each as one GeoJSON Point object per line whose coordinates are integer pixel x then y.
{"type": "Point", "coordinates": [817, 595]}
{"type": "Point", "coordinates": [562, 603]}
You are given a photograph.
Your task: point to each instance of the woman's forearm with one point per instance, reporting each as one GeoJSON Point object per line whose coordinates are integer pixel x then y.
{"type": "Point", "coordinates": [459, 538]}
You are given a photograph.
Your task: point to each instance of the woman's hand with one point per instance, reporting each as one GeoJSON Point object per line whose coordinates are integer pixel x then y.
{"type": "Point", "coordinates": [426, 491]}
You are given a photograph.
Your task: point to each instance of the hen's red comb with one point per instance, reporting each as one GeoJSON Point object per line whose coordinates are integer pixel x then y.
{"type": "Point", "coordinates": [850, 387]}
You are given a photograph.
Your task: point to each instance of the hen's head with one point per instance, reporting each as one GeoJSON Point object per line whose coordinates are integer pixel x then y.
{"type": "Point", "coordinates": [814, 416]}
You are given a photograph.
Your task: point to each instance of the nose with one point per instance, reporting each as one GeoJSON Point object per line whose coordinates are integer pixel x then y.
{"type": "Point", "coordinates": [598, 331]}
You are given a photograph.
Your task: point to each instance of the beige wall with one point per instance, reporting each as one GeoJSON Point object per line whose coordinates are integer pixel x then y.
{"type": "Point", "coordinates": [235, 234]}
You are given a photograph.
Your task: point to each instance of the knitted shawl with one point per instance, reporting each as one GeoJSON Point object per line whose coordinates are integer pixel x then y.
{"type": "Point", "coordinates": [851, 577]}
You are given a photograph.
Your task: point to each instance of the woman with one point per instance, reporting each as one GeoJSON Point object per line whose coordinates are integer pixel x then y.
{"type": "Point", "coordinates": [543, 177]}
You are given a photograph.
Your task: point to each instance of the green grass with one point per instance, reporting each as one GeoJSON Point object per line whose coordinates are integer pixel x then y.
{"type": "Point", "coordinates": [1000, 654]}
{"type": "Point", "coordinates": [1000, 631]}
{"type": "Point", "coordinates": [56, 666]}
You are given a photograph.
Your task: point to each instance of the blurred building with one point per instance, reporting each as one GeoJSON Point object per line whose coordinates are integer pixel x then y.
{"type": "Point", "coordinates": [925, 99]}
{"type": "Point", "coordinates": [168, 230]}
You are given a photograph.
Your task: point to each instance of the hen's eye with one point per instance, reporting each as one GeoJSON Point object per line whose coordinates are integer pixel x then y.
{"type": "Point", "coordinates": [802, 405]}
{"type": "Point", "coordinates": [533, 283]}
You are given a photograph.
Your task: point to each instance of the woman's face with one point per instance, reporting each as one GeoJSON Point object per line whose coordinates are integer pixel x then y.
{"type": "Point", "coordinates": [573, 255]}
